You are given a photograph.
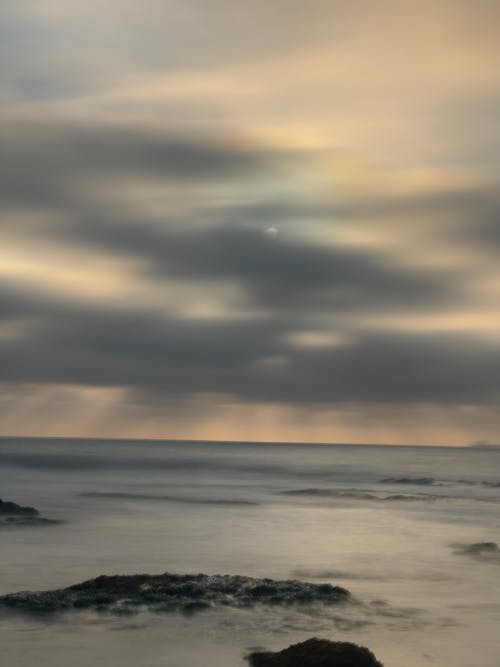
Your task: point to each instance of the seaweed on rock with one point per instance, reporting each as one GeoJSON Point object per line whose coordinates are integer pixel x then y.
{"type": "Point", "coordinates": [174, 592]}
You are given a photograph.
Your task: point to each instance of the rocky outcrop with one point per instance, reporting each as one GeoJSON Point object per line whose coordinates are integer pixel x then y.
{"type": "Point", "coordinates": [317, 653]}
{"type": "Point", "coordinates": [173, 592]}
{"type": "Point", "coordinates": [13, 509]}
{"type": "Point", "coordinates": [12, 514]}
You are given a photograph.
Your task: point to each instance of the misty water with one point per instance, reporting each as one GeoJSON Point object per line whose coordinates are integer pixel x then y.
{"type": "Point", "coordinates": [391, 524]}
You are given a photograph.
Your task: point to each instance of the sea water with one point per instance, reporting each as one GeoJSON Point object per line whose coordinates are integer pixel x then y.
{"type": "Point", "coordinates": [391, 524]}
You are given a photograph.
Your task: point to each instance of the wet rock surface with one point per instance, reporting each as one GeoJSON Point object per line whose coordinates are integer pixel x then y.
{"type": "Point", "coordinates": [317, 653]}
{"type": "Point", "coordinates": [173, 592]}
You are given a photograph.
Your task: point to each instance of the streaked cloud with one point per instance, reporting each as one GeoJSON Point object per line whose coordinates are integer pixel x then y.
{"type": "Point", "coordinates": [149, 149]}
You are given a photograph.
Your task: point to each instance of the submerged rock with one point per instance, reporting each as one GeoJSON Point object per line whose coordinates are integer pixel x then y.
{"type": "Point", "coordinates": [485, 550]}
{"type": "Point", "coordinates": [317, 653]}
{"type": "Point", "coordinates": [174, 592]}
{"type": "Point", "coordinates": [481, 547]}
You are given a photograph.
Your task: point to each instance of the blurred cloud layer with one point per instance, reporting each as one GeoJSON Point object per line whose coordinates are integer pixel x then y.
{"type": "Point", "coordinates": [270, 221]}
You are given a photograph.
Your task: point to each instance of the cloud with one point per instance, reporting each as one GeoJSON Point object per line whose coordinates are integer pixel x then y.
{"type": "Point", "coordinates": [138, 349]}
{"type": "Point", "coordinates": [75, 174]}
{"type": "Point", "coordinates": [147, 149]}
{"type": "Point", "coordinates": [281, 274]}
{"type": "Point", "coordinates": [45, 164]}
{"type": "Point", "coordinates": [287, 286]}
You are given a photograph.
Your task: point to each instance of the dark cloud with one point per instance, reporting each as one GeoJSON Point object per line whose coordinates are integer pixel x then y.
{"type": "Point", "coordinates": [280, 272]}
{"type": "Point", "coordinates": [47, 165]}
{"type": "Point", "coordinates": [293, 281]}
{"type": "Point", "coordinates": [135, 346]}
{"type": "Point", "coordinates": [140, 350]}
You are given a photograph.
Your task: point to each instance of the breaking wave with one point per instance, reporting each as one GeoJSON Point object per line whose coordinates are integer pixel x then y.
{"type": "Point", "coordinates": [418, 481]}
{"type": "Point", "coordinates": [174, 499]}
{"type": "Point", "coordinates": [360, 494]}
{"type": "Point", "coordinates": [431, 481]}
{"type": "Point", "coordinates": [304, 573]}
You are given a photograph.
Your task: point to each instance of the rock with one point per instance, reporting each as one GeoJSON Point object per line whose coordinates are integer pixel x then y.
{"type": "Point", "coordinates": [317, 653]}
{"type": "Point", "coordinates": [478, 549]}
{"type": "Point", "coordinates": [174, 592]}
{"type": "Point", "coordinates": [482, 547]}
{"type": "Point", "coordinates": [12, 514]}
{"type": "Point", "coordinates": [13, 509]}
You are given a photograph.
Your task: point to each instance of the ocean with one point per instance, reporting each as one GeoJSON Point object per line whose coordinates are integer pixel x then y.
{"type": "Point", "coordinates": [393, 525]}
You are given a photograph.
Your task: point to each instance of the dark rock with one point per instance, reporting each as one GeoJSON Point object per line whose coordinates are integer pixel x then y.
{"type": "Point", "coordinates": [482, 547]}
{"type": "Point", "coordinates": [317, 653]}
{"type": "Point", "coordinates": [12, 514]}
{"type": "Point", "coordinates": [174, 592]}
{"type": "Point", "coordinates": [13, 509]}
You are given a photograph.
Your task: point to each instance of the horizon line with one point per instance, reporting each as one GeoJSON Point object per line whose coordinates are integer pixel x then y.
{"type": "Point", "coordinates": [244, 442]}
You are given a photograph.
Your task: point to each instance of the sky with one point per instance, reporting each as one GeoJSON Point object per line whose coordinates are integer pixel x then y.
{"type": "Point", "coordinates": [272, 221]}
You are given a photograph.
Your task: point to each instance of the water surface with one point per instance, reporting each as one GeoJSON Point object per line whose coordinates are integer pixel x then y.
{"type": "Point", "coordinates": [384, 522]}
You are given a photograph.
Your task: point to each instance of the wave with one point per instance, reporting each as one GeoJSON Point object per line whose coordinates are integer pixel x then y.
{"type": "Point", "coordinates": [431, 481]}
{"type": "Point", "coordinates": [174, 499]}
{"type": "Point", "coordinates": [173, 592]}
{"type": "Point", "coordinates": [360, 494]}
{"type": "Point", "coordinates": [487, 483]}
{"type": "Point", "coordinates": [418, 481]}
{"type": "Point", "coordinates": [332, 493]}
{"type": "Point", "coordinates": [193, 465]}
{"type": "Point", "coordinates": [379, 496]}
{"type": "Point", "coordinates": [26, 521]}
{"type": "Point", "coordinates": [48, 461]}
{"type": "Point", "coordinates": [334, 574]}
